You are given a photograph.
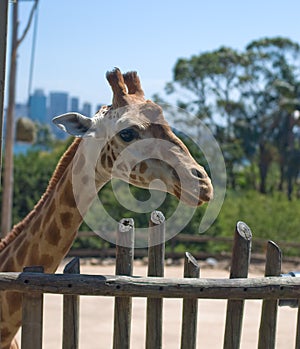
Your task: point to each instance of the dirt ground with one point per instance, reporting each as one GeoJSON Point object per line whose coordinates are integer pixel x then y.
{"type": "Point", "coordinates": [96, 320]}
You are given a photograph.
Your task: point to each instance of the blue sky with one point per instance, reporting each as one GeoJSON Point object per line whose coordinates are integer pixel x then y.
{"type": "Point", "coordinates": [79, 40]}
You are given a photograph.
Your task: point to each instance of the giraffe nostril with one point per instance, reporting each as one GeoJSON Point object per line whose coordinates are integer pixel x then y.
{"type": "Point", "coordinates": [198, 174]}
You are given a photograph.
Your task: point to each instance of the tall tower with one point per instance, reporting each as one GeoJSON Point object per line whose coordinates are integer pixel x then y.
{"type": "Point", "coordinates": [87, 109]}
{"type": "Point", "coordinates": [58, 105]}
{"type": "Point", "coordinates": [74, 104]}
{"type": "Point", "coordinates": [38, 106]}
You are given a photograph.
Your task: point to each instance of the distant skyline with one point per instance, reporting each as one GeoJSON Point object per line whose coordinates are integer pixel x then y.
{"type": "Point", "coordinates": [79, 40]}
{"type": "Point", "coordinates": [45, 102]}
{"type": "Point", "coordinates": [43, 107]}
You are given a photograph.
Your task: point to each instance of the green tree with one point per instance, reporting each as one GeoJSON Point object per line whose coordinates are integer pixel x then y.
{"type": "Point", "coordinates": [248, 99]}
{"type": "Point", "coordinates": [44, 137]}
{"type": "Point", "coordinates": [32, 172]}
{"type": "Point", "coordinates": [213, 80]}
{"type": "Point", "coordinates": [271, 95]}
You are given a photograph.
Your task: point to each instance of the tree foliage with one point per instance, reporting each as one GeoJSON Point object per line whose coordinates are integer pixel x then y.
{"type": "Point", "coordinates": [32, 172]}
{"type": "Point", "coordinates": [250, 100]}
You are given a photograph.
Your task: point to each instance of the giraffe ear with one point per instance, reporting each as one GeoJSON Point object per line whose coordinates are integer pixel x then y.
{"type": "Point", "coordinates": [75, 124]}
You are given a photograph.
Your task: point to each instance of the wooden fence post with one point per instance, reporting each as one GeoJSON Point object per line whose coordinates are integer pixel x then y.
{"type": "Point", "coordinates": [71, 311]}
{"type": "Point", "coordinates": [32, 316]}
{"type": "Point", "coordinates": [124, 266]}
{"type": "Point", "coordinates": [156, 257]}
{"type": "Point", "coordinates": [239, 269]}
{"type": "Point", "coordinates": [267, 330]}
{"type": "Point", "coordinates": [297, 342]}
{"type": "Point", "coordinates": [190, 306]}
{"type": "Point", "coordinates": [3, 44]}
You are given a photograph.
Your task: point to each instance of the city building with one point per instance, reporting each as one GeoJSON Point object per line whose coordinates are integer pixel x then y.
{"type": "Point", "coordinates": [74, 104]}
{"type": "Point", "coordinates": [21, 110]}
{"type": "Point", "coordinates": [38, 106]}
{"type": "Point", "coordinates": [87, 109]}
{"type": "Point", "coordinates": [58, 104]}
{"type": "Point", "coordinates": [42, 108]}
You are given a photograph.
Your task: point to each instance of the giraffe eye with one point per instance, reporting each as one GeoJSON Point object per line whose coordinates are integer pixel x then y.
{"type": "Point", "coordinates": [128, 134]}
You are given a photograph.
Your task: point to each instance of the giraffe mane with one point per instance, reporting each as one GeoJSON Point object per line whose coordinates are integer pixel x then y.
{"type": "Point", "coordinates": [62, 165]}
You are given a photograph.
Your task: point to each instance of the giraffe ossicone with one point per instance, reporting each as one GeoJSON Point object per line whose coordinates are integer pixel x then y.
{"type": "Point", "coordinates": [129, 140]}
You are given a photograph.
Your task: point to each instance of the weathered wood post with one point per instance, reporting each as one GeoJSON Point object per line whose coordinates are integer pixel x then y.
{"type": "Point", "coordinates": [124, 266]}
{"type": "Point", "coordinates": [32, 316]}
{"type": "Point", "coordinates": [297, 342]}
{"type": "Point", "coordinates": [156, 257]}
{"type": "Point", "coordinates": [71, 311]}
{"type": "Point", "coordinates": [239, 269]}
{"type": "Point", "coordinates": [3, 44]}
{"type": "Point", "coordinates": [190, 306]}
{"type": "Point", "coordinates": [267, 330]}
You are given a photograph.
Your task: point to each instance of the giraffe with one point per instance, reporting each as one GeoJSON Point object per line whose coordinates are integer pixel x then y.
{"type": "Point", "coordinates": [46, 234]}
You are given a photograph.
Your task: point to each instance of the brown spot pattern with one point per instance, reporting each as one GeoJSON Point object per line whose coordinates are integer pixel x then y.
{"type": "Point", "coordinates": [53, 236]}
{"type": "Point", "coordinates": [109, 162]}
{"type": "Point", "coordinates": [13, 300]}
{"type": "Point", "coordinates": [47, 260]}
{"type": "Point", "coordinates": [67, 196]}
{"type": "Point", "coordinates": [143, 167]}
{"type": "Point", "coordinates": [5, 332]}
{"type": "Point", "coordinates": [141, 179]}
{"type": "Point", "coordinates": [66, 219]}
{"type": "Point", "coordinates": [85, 179]}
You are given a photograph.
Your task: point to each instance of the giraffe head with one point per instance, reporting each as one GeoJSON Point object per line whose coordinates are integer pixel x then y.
{"type": "Point", "coordinates": [134, 143]}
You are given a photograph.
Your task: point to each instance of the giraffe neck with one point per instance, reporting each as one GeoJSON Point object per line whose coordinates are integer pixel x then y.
{"type": "Point", "coordinates": [47, 233]}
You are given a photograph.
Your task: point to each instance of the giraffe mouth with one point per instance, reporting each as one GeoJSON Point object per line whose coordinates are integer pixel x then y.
{"type": "Point", "coordinates": [194, 197]}
{"type": "Point", "coordinates": [194, 191]}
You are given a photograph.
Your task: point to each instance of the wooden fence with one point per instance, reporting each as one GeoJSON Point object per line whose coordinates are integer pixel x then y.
{"type": "Point", "coordinates": [123, 286]}
{"type": "Point", "coordinates": [258, 247]}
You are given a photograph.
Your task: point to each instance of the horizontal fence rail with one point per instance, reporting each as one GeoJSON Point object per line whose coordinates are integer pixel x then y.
{"type": "Point", "coordinates": [114, 285]}
{"type": "Point", "coordinates": [257, 250]}
{"type": "Point", "coordinates": [189, 238]}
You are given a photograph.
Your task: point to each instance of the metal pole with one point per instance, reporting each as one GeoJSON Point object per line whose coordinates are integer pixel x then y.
{"type": "Point", "coordinates": [35, 28]}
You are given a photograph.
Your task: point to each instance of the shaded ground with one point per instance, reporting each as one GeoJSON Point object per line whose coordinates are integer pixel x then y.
{"type": "Point", "coordinates": [96, 322]}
